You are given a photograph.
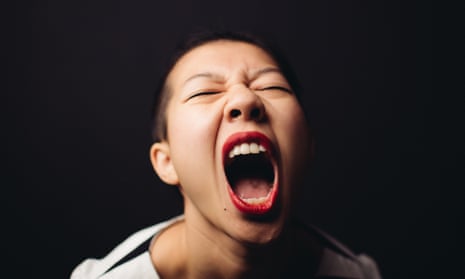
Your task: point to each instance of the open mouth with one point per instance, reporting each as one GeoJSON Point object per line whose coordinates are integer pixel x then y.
{"type": "Point", "coordinates": [250, 171]}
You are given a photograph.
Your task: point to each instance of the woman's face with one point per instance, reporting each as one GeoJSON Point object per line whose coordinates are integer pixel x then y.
{"type": "Point", "coordinates": [237, 139]}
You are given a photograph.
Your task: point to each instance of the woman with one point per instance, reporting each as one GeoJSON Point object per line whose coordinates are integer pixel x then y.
{"type": "Point", "coordinates": [231, 134]}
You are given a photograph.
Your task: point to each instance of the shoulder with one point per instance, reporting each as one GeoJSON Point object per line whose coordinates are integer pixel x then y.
{"type": "Point", "coordinates": [338, 261]}
{"type": "Point", "coordinates": [130, 259]}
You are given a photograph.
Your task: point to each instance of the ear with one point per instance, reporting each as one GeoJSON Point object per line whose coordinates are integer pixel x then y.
{"type": "Point", "coordinates": [162, 163]}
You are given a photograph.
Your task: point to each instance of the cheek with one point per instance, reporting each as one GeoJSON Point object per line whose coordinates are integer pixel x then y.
{"type": "Point", "coordinates": [292, 123]}
{"type": "Point", "coordinates": [191, 135]}
{"type": "Point", "coordinates": [295, 142]}
{"type": "Point", "coordinates": [188, 128]}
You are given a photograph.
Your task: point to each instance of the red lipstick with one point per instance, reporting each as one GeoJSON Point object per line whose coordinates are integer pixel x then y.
{"type": "Point", "coordinates": [251, 172]}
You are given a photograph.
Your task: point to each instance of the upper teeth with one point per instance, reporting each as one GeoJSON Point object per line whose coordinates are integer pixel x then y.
{"type": "Point", "coordinates": [246, 148]}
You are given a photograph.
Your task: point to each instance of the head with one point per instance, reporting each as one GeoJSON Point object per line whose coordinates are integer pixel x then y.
{"type": "Point", "coordinates": [231, 134]}
{"type": "Point", "coordinates": [162, 93]}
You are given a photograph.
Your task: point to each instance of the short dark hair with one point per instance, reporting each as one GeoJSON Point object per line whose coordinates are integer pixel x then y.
{"type": "Point", "coordinates": [162, 94]}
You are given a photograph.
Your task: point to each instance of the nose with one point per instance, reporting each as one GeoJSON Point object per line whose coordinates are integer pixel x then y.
{"type": "Point", "coordinates": [244, 104]}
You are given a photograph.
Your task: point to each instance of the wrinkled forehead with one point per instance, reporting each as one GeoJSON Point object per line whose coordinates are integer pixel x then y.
{"type": "Point", "coordinates": [220, 57]}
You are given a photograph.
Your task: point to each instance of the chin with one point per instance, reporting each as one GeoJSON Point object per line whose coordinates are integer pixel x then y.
{"type": "Point", "coordinates": [251, 230]}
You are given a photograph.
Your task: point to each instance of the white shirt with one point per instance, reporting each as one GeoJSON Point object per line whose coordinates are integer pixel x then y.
{"type": "Point", "coordinates": [131, 259]}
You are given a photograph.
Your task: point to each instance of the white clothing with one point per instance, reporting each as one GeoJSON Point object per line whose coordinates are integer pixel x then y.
{"type": "Point", "coordinates": [131, 259]}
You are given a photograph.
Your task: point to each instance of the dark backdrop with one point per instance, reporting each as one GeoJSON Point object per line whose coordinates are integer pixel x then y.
{"type": "Point", "coordinates": [383, 86]}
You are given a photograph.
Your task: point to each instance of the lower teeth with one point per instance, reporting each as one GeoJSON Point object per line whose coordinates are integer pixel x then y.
{"type": "Point", "coordinates": [255, 200]}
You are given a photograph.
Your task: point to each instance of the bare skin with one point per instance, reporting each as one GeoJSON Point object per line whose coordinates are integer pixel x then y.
{"type": "Point", "coordinates": [221, 89]}
{"type": "Point", "coordinates": [296, 253]}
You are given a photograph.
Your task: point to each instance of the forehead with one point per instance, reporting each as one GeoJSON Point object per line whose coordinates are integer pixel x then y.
{"type": "Point", "coordinates": [221, 57]}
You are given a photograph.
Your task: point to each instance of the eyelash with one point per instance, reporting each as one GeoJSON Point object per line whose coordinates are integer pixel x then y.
{"type": "Point", "coordinates": [202, 94]}
{"type": "Point", "coordinates": [276, 88]}
{"type": "Point", "coordinates": [261, 89]}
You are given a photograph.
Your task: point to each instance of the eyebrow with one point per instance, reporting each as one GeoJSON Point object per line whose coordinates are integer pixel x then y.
{"type": "Point", "coordinates": [255, 74]}
{"type": "Point", "coordinates": [266, 70]}
{"type": "Point", "coordinates": [203, 75]}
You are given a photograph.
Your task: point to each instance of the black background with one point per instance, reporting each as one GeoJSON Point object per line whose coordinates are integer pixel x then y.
{"type": "Point", "coordinates": [383, 86]}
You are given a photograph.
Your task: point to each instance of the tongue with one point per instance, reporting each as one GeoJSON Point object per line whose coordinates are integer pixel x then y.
{"type": "Point", "coordinates": [247, 188]}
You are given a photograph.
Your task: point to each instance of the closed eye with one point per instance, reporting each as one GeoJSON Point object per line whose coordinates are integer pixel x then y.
{"type": "Point", "coordinates": [281, 88]}
{"type": "Point", "coordinates": [202, 94]}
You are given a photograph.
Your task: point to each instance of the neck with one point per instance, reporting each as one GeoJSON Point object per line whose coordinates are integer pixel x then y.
{"type": "Point", "coordinates": [225, 257]}
{"type": "Point", "coordinates": [186, 251]}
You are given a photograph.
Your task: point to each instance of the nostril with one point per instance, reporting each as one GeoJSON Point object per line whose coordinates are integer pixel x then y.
{"type": "Point", "coordinates": [235, 113]}
{"type": "Point", "coordinates": [255, 113]}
